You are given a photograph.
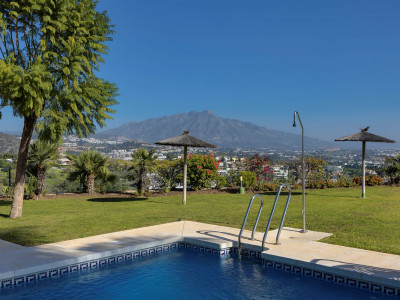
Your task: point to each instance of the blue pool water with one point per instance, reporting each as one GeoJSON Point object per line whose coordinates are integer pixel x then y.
{"type": "Point", "coordinates": [185, 275]}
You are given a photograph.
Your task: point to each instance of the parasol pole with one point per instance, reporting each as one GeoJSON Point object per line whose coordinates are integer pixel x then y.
{"type": "Point", "coordinates": [363, 169]}
{"type": "Point", "coordinates": [184, 174]}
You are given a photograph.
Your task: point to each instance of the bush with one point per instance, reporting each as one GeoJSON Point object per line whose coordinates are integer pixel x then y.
{"type": "Point", "coordinates": [8, 191]}
{"type": "Point", "coordinates": [344, 182]}
{"type": "Point", "coordinates": [267, 186]}
{"type": "Point", "coordinates": [260, 166]}
{"type": "Point", "coordinates": [201, 170]}
{"type": "Point", "coordinates": [168, 171]}
{"type": "Point", "coordinates": [31, 185]}
{"type": "Point", "coordinates": [317, 184]}
{"type": "Point", "coordinates": [249, 179]}
{"type": "Point", "coordinates": [370, 180]}
{"type": "Point", "coordinates": [220, 182]}
{"type": "Point", "coordinates": [327, 183]}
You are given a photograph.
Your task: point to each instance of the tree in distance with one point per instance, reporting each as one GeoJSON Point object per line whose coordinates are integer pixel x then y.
{"type": "Point", "coordinates": [314, 168]}
{"type": "Point", "coordinates": [87, 166]}
{"type": "Point", "coordinates": [50, 52]}
{"type": "Point", "coordinates": [392, 168]}
{"type": "Point", "coordinates": [42, 155]}
{"type": "Point", "coordinates": [143, 162]}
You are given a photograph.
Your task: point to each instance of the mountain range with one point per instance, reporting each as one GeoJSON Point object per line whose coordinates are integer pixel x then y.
{"type": "Point", "coordinates": [207, 126]}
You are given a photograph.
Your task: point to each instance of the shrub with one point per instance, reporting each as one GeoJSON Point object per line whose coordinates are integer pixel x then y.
{"type": "Point", "coordinates": [201, 170]}
{"type": "Point", "coordinates": [344, 182]}
{"type": "Point", "coordinates": [370, 180]}
{"type": "Point", "coordinates": [260, 166]}
{"type": "Point", "coordinates": [168, 172]}
{"type": "Point", "coordinates": [8, 191]}
{"type": "Point", "coordinates": [220, 181]}
{"type": "Point", "coordinates": [267, 186]}
{"type": "Point", "coordinates": [31, 186]}
{"type": "Point", "coordinates": [249, 179]}
{"type": "Point", "coordinates": [317, 184]}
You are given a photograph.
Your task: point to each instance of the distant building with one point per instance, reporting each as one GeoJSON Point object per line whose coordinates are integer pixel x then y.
{"type": "Point", "coordinates": [335, 169]}
{"type": "Point", "coordinates": [280, 172]}
{"type": "Point", "coordinates": [62, 159]}
{"type": "Point", "coordinates": [161, 157]}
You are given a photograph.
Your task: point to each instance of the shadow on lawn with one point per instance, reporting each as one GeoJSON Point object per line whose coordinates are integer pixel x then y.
{"type": "Point", "coordinates": [117, 199]}
{"type": "Point", "coordinates": [282, 193]}
{"type": "Point", "coordinates": [23, 235]}
{"type": "Point", "coordinates": [340, 196]}
{"type": "Point", "coordinates": [5, 202]}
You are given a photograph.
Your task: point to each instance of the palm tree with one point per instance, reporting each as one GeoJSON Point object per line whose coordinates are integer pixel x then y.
{"type": "Point", "coordinates": [87, 167]}
{"type": "Point", "coordinates": [105, 176]}
{"type": "Point", "coordinates": [42, 155]}
{"type": "Point", "coordinates": [392, 168]}
{"type": "Point", "coordinates": [143, 163]}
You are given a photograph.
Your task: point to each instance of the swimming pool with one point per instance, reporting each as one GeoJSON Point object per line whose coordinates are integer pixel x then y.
{"type": "Point", "coordinates": [183, 274]}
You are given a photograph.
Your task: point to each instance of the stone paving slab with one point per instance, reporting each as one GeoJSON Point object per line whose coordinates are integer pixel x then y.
{"type": "Point", "coordinates": [296, 248]}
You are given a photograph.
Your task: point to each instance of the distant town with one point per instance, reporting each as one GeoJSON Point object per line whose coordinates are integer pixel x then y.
{"type": "Point", "coordinates": [340, 162]}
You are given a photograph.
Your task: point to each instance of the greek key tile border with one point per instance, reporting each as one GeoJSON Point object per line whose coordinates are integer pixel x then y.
{"type": "Point", "coordinates": [338, 279]}
{"type": "Point", "coordinates": [246, 253]}
{"type": "Point", "coordinates": [97, 263]}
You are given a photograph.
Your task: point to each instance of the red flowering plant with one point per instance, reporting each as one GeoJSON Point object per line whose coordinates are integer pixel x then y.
{"type": "Point", "coordinates": [261, 166]}
{"type": "Point", "coordinates": [201, 170]}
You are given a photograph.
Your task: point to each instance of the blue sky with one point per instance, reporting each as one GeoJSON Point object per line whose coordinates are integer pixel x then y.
{"type": "Point", "coordinates": [336, 62]}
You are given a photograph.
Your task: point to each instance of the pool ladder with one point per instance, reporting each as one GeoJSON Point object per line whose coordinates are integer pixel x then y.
{"type": "Point", "coordinates": [269, 220]}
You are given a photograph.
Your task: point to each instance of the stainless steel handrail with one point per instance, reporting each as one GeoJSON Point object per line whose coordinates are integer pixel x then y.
{"type": "Point", "coordinates": [245, 220]}
{"type": "Point", "coordinates": [272, 213]}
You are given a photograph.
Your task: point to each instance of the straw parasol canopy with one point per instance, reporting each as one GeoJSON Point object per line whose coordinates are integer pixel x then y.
{"type": "Point", "coordinates": [364, 136]}
{"type": "Point", "coordinates": [185, 140]}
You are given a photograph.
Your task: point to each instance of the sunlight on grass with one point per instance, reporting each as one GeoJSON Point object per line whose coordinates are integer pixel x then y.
{"type": "Point", "coordinates": [371, 223]}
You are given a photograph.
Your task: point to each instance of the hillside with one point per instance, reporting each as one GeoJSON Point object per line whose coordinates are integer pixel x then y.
{"type": "Point", "coordinates": [8, 143]}
{"type": "Point", "coordinates": [209, 127]}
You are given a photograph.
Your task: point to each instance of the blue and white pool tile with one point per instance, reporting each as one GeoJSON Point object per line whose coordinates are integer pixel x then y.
{"type": "Point", "coordinates": [19, 281]}
{"type": "Point", "coordinates": [328, 277]}
{"type": "Point", "coordinates": [6, 283]}
{"type": "Point", "coordinates": [287, 268]}
{"type": "Point", "coordinates": [390, 291]}
{"type": "Point", "coordinates": [363, 285]}
{"type": "Point", "coordinates": [31, 278]}
{"type": "Point", "coordinates": [55, 273]}
{"type": "Point", "coordinates": [42, 275]}
{"type": "Point", "coordinates": [376, 288]}
{"type": "Point", "coordinates": [338, 279]}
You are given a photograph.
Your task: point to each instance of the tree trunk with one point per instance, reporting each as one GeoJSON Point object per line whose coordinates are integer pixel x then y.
{"type": "Point", "coordinates": [90, 183]}
{"type": "Point", "coordinates": [41, 177]}
{"type": "Point", "coordinates": [18, 197]}
{"type": "Point", "coordinates": [142, 182]}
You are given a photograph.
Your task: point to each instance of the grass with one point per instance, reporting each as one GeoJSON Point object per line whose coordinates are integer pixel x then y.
{"type": "Point", "coordinates": [371, 223]}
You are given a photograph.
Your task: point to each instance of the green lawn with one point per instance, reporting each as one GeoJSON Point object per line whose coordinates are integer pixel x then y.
{"type": "Point", "coordinates": [372, 223]}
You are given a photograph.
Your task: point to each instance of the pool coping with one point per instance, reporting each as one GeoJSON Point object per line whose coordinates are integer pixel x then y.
{"type": "Point", "coordinates": [298, 253]}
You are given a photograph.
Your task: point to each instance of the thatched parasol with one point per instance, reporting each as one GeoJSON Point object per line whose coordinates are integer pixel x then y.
{"type": "Point", "coordinates": [185, 140]}
{"type": "Point", "coordinates": [364, 136]}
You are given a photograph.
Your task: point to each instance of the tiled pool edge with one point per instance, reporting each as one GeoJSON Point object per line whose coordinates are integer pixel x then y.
{"type": "Point", "coordinates": [211, 239]}
{"type": "Point", "coordinates": [329, 274]}
{"type": "Point", "coordinates": [21, 280]}
{"type": "Point", "coordinates": [294, 267]}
